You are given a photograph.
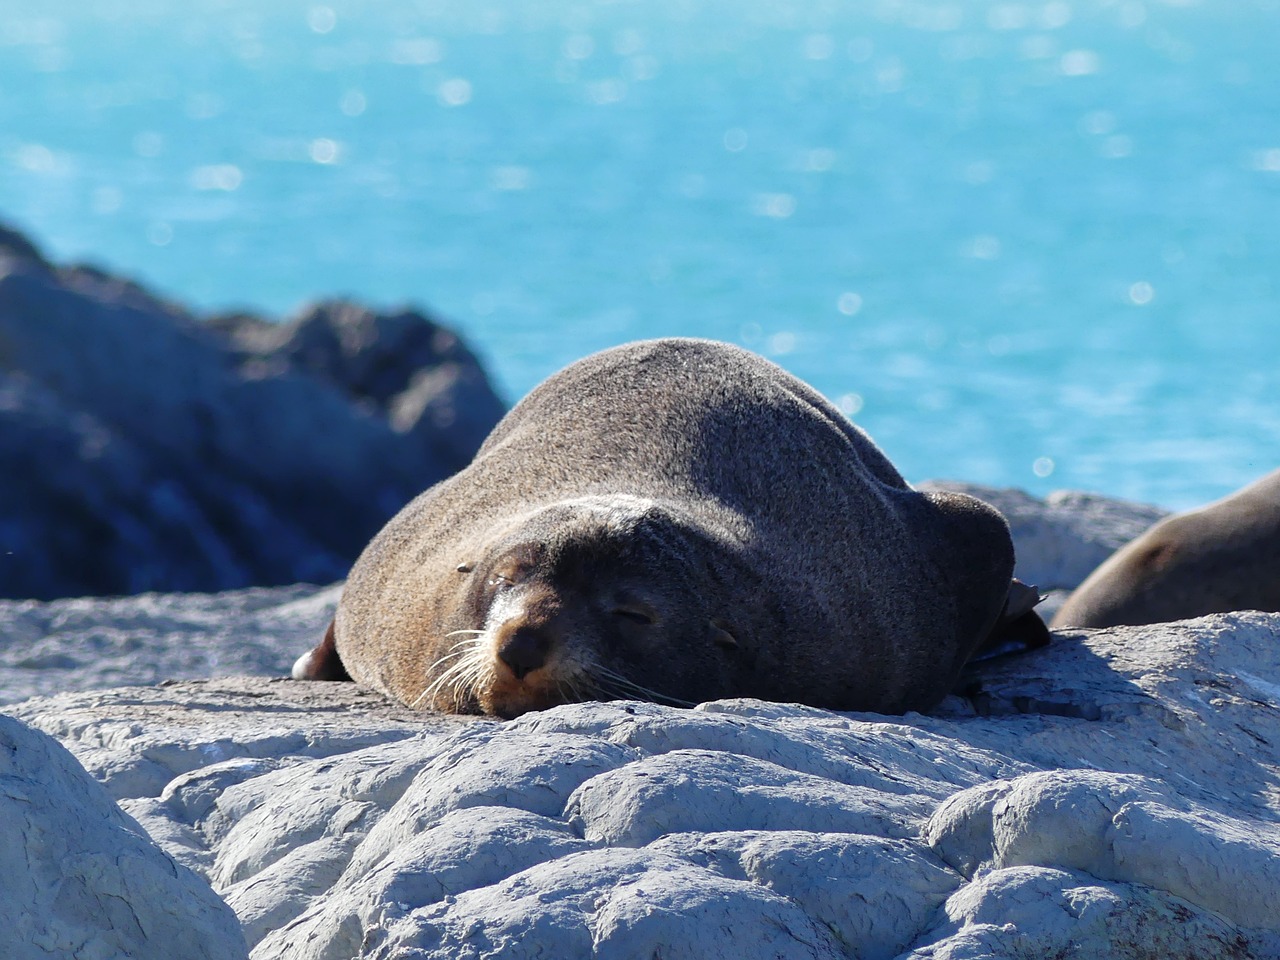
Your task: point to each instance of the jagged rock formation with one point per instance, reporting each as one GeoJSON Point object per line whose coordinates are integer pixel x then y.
{"type": "Point", "coordinates": [1114, 794]}
{"type": "Point", "coordinates": [145, 449]}
{"type": "Point", "coordinates": [80, 878]}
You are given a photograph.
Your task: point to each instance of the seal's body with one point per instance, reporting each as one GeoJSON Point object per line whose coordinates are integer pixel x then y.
{"type": "Point", "coordinates": [677, 520]}
{"type": "Point", "coordinates": [1221, 557]}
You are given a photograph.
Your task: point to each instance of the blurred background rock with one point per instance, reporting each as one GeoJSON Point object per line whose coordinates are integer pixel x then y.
{"type": "Point", "coordinates": [144, 447]}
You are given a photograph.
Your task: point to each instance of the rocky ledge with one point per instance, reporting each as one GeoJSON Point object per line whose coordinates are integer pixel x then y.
{"type": "Point", "coordinates": [145, 448]}
{"type": "Point", "coordinates": [1115, 794]}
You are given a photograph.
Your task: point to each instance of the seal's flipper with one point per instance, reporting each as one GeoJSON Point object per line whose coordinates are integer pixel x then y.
{"type": "Point", "coordinates": [1019, 628]}
{"type": "Point", "coordinates": [321, 662]}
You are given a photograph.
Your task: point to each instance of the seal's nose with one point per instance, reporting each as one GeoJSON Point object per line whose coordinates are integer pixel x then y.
{"type": "Point", "coordinates": [525, 650]}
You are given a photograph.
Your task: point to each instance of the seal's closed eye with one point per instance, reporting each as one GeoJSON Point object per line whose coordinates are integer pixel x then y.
{"type": "Point", "coordinates": [636, 613]}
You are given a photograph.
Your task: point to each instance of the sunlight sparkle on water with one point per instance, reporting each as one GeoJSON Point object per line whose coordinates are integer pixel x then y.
{"type": "Point", "coordinates": [454, 92]}
{"type": "Point", "coordinates": [218, 176]}
{"type": "Point", "coordinates": [849, 304]}
{"type": "Point", "coordinates": [849, 404]}
{"type": "Point", "coordinates": [323, 150]}
{"type": "Point", "coordinates": [1027, 233]}
{"type": "Point", "coordinates": [322, 19]}
{"type": "Point", "coordinates": [1141, 293]}
{"type": "Point", "coordinates": [353, 103]}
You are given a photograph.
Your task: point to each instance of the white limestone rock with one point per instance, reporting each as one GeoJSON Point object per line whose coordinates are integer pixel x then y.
{"type": "Point", "coordinates": [466, 849]}
{"type": "Point", "coordinates": [871, 893]}
{"type": "Point", "coordinates": [613, 903]}
{"type": "Point", "coordinates": [708, 791]}
{"type": "Point", "coordinates": [503, 766]}
{"type": "Point", "coordinates": [1117, 792]}
{"type": "Point", "coordinates": [276, 894]}
{"type": "Point", "coordinates": [1116, 827]}
{"type": "Point", "coordinates": [1029, 913]}
{"type": "Point", "coordinates": [137, 740]}
{"type": "Point", "coordinates": [79, 878]}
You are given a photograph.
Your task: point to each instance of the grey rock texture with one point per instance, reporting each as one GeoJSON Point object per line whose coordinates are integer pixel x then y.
{"type": "Point", "coordinates": [1115, 794]}
{"type": "Point", "coordinates": [415, 374]}
{"type": "Point", "coordinates": [80, 878]}
{"type": "Point", "coordinates": [86, 643]}
{"type": "Point", "coordinates": [145, 449]}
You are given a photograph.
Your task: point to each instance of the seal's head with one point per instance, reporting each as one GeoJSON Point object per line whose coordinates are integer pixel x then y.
{"type": "Point", "coordinates": [589, 599]}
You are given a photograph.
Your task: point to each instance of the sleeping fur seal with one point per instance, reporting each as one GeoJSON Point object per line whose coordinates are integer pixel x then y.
{"type": "Point", "coordinates": [674, 520]}
{"type": "Point", "coordinates": [1221, 557]}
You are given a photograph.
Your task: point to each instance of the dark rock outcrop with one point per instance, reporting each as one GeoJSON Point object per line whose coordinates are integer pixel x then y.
{"type": "Point", "coordinates": [417, 375]}
{"type": "Point", "coordinates": [142, 448]}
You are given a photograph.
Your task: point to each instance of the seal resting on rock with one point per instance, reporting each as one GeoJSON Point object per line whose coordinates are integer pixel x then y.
{"type": "Point", "coordinates": [1216, 559]}
{"type": "Point", "coordinates": [675, 520]}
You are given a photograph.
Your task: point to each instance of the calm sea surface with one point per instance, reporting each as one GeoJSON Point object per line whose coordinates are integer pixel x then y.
{"type": "Point", "coordinates": [1024, 244]}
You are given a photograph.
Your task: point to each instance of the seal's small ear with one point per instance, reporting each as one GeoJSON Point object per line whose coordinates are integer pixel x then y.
{"type": "Point", "coordinates": [1023, 598]}
{"type": "Point", "coordinates": [722, 634]}
{"type": "Point", "coordinates": [321, 662]}
{"type": "Point", "coordinates": [1019, 627]}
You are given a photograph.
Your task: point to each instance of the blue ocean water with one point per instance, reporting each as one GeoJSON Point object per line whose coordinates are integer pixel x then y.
{"type": "Point", "coordinates": [1029, 244]}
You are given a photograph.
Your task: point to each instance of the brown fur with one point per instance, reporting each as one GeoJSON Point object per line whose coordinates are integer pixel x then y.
{"type": "Point", "coordinates": [1222, 557]}
{"type": "Point", "coordinates": [678, 520]}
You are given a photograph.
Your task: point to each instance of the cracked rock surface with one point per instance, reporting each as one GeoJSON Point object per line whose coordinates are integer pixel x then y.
{"type": "Point", "coordinates": [1116, 793]}
{"type": "Point", "coordinates": [80, 878]}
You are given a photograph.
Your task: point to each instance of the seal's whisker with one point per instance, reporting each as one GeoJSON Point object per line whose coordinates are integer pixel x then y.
{"type": "Point", "coordinates": [469, 644]}
{"type": "Point", "coordinates": [450, 656]}
{"type": "Point", "coordinates": [473, 645]}
{"type": "Point", "coordinates": [579, 688]}
{"type": "Point", "coordinates": [603, 678]}
{"type": "Point", "coordinates": [454, 668]}
{"type": "Point", "coordinates": [566, 695]}
{"type": "Point", "coordinates": [465, 649]}
{"type": "Point", "coordinates": [419, 698]}
{"type": "Point", "coordinates": [461, 677]}
{"type": "Point", "coordinates": [474, 677]}
{"type": "Point", "coordinates": [456, 679]}
{"type": "Point", "coordinates": [604, 690]}
{"type": "Point", "coordinates": [457, 633]}
{"type": "Point", "coordinates": [621, 684]}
